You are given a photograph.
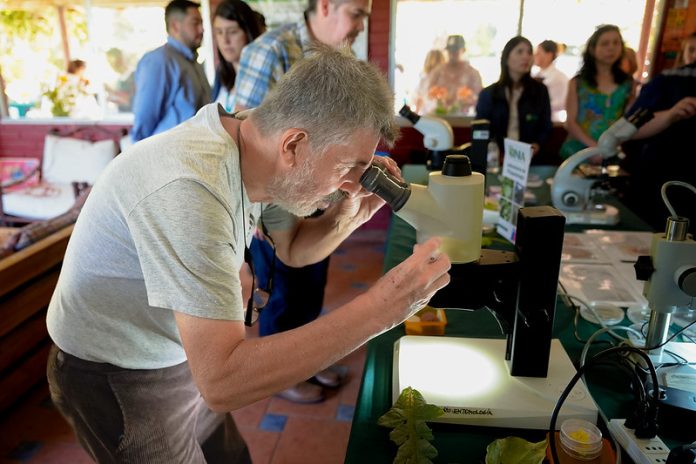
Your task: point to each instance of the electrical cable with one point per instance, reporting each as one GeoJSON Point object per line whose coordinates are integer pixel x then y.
{"type": "Point", "coordinates": [580, 373]}
{"type": "Point", "coordinates": [569, 302]}
{"type": "Point", "coordinates": [663, 193]}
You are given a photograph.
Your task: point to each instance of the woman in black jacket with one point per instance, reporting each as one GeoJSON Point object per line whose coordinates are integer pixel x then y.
{"type": "Point", "coordinates": [517, 106]}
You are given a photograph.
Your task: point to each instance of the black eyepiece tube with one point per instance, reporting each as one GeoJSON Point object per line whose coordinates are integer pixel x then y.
{"type": "Point", "coordinates": [385, 186]}
{"type": "Point", "coordinates": [407, 113]}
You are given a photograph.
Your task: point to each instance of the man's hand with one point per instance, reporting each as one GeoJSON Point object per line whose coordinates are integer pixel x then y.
{"type": "Point", "coordinates": [409, 286]}
{"type": "Point", "coordinates": [359, 208]}
{"type": "Point", "coordinates": [683, 109]}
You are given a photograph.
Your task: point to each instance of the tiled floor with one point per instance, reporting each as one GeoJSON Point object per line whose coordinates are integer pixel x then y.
{"type": "Point", "coordinates": [277, 431]}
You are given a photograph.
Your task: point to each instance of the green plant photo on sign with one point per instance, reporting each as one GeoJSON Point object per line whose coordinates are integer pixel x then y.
{"type": "Point", "coordinates": [410, 432]}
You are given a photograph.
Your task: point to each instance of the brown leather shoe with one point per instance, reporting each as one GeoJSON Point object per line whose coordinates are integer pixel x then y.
{"type": "Point", "coordinates": [303, 392]}
{"type": "Point", "coordinates": [332, 376]}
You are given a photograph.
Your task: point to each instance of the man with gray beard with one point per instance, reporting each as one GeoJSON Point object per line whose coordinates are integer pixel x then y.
{"type": "Point", "coordinates": [148, 318]}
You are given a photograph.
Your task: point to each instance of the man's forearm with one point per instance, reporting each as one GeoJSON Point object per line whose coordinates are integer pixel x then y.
{"type": "Point", "coordinates": [317, 238]}
{"type": "Point", "coordinates": [260, 367]}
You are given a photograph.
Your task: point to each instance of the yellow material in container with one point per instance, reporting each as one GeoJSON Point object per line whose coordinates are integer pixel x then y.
{"type": "Point", "coordinates": [427, 321]}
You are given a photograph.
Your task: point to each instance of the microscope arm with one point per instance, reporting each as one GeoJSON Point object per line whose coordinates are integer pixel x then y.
{"type": "Point", "coordinates": [489, 283]}
{"type": "Point", "coordinates": [570, 191]}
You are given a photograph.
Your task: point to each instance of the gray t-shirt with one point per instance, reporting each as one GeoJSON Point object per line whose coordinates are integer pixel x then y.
{"type": "Point", "coordinates": [160, 231]}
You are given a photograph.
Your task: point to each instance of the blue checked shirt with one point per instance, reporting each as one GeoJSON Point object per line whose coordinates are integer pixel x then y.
{"type": "Point", "coordinates": [266, 59]}
{"type": "Point", "coordinates": [170, 87]}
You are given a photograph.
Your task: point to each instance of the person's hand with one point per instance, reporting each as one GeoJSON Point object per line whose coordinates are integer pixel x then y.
{"type": "Point", "coordinates": [408, 287]}
{"type": "Point", "coordinates": [390, 166]}
{"type": "Point", "coordinates": [358, 208]}
{"type": "Point", "coordinates": [683, 109]}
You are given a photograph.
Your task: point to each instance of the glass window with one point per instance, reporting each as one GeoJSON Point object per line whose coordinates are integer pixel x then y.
{"type": "Point", "coordinates": [109, 42]}
{"type": "Point", "coordinates": [486, 25]}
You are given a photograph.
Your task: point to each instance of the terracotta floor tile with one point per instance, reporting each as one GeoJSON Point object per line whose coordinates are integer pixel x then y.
{"type": "Point", "coordinates": [309, 440]}
{"type": "Point", "coordinates": [261, 444]}
{"type": "Point", "coordinates": [250, 416]}
{"type": "Point", "coordinates": [326, 409]}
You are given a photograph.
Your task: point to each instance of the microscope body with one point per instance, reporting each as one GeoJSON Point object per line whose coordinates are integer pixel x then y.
{"type": "Point", "coordinates": [451, 208]}
{"type": "Point", "coordinates": [670, 275]}
{"type": "Point", "coordinates": [518, 287]}
{"type": "Point", "coordinates": [572, 191]}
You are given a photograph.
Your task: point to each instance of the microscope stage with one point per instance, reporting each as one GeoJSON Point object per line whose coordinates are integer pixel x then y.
{"type": "Point", "coordinates": [470, 380]}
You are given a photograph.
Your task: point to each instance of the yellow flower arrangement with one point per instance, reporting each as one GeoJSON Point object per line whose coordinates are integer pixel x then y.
{"type": "Point", "coordinates": [65, 94]}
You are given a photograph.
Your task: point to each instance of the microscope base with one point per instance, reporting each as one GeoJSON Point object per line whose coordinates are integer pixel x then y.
{"type": "Point", "coordinates": [469, 378]}
{"type": "Point", "coordinates": [609, 216]}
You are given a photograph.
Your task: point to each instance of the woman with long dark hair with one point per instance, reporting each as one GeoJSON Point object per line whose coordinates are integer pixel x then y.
{"type": "Point", "coordinates": [600, 93]}
{"type": "Point", "coordinates": [517, 105]}
{"type": "Point", "coordinates": [235, 25]}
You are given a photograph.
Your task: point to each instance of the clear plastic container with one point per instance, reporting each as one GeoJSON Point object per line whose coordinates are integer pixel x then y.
{"type": "Point", "coordinates": [581, 439]}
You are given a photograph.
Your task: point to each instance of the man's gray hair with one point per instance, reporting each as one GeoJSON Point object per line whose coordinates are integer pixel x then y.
{"type": "Point", "coordinates": [330, 94]}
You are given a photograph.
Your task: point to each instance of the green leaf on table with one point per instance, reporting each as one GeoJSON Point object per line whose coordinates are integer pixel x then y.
{"type": "Point", "coordinates": [515, 450]}
{"type": "Point", "coordinates": [410, 432]}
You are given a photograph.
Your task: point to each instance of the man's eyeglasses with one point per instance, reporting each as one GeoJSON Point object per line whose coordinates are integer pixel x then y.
{"type": "Point", "coordinates": [259, 296]}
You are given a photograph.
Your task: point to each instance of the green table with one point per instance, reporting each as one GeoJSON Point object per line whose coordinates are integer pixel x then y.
{"type": "Point", "coordinates": [369, 443]}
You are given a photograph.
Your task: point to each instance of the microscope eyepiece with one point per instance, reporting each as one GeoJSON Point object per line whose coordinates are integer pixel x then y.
{"type": "Point", "coordinates": [385, 186]}
{"type": "Point", "coordinates": [406, 112]}
{"type": "Point", "coordinates": [457, 166]}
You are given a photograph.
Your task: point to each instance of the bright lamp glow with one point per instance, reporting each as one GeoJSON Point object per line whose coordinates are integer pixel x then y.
{"type": "Point", "coordinates": [443, 369]}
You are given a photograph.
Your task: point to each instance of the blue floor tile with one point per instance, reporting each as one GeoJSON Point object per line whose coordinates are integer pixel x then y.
{"type": "Point", "coordinates": [359, 285]}
{"type": "Point", "coordinates": [345, 412]}
{"type": "Point", "coordinates": [273, 422]}
{"type": "Point", "coordinates": [25, 450]}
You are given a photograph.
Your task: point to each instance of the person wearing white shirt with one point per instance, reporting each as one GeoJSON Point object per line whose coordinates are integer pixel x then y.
{"type": "Point", "coordinates": [554, 79]}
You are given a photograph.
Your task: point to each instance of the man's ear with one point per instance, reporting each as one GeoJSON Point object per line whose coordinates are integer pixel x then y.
{"type": "Point", "coordinates": [323, 6]}
{"type": "Point", "coordinates": [173, 27]}
{"type": "Point", "coordinates": [290, 142]}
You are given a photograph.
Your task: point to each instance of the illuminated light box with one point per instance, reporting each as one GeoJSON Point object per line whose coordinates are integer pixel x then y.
{"type": "Point", "coordinates": [469, 378]}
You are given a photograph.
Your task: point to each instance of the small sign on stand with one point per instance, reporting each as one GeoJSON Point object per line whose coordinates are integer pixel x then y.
{"type": "Point", "coordinates": [518, 156]}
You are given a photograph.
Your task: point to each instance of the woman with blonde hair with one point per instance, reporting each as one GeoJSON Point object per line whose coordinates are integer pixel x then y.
{"type": "Point", "coordinates": [421, 101]}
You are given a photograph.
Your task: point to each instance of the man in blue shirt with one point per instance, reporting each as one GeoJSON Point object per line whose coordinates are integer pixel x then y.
{"type": "Point", "coordinates": [170, 85]}
{"type": "Point", "coordinates": [298, 293]}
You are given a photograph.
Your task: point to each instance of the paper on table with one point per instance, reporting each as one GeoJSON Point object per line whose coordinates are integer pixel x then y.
{"type": "Point", "coordinates": [579, 248]}
{"type": "Point", "coordinates": [598, 283]}
{"type": "Point", "coordinates": [621, 245]}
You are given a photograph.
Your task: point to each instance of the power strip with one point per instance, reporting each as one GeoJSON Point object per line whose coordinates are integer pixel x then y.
{"type": "Point", "coordinates": [642, 450]}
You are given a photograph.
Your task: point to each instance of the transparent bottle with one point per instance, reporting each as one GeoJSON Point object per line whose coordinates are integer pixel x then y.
{"type": "Point", "coordinates": [493, 166]}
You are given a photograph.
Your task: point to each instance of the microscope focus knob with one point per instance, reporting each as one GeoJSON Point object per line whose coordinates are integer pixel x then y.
{"type": "Point", "coordinates": [686, 280]}
{"type": "Point", "coordinates": [644, 268]}
{"type": "Point", "coordinates": [570, 198]}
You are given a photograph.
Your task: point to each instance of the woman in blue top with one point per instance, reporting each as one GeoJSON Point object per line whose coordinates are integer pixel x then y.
{"type": "Point", "coordinates": [517, 106]}
{"type": "Point", "coordinates": [235, 25]}
{"type": "Point", "coordinates": [599, 94]}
